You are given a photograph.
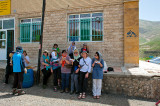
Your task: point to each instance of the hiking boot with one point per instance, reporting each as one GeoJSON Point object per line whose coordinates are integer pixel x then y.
{"type": "Point", "coordinates": [71, 92]}
{"type": "Point", "coordinates": [44, 86]}
{"type": "Point", "coordinates": [66, 90]}
{"type": "Point", "coordinates": [62, 91]}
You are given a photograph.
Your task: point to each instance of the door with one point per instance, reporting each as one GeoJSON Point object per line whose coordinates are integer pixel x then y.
{"type": "Point", "coordinates": [3, 45]}
{"type": "Point", "coordinates": [10, 41]}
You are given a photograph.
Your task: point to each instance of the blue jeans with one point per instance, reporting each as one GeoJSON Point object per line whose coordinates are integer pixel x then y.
{"type": "Point", "coordinates": [74, 82]}
{"type": "Point", "coordinates": [65, 80]}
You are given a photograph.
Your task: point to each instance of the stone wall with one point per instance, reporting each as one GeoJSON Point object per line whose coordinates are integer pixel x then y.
{"type": "Point", "coordinates": [55, 31]}
{"type": "Point", "coordinates": [131, 85]}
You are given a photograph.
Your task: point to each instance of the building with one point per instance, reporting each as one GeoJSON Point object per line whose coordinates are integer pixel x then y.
{"type": "Point", "coordinates": [108, 26]}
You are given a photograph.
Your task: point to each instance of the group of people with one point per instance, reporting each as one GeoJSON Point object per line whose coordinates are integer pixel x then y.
{"type": "Point", "coordinates": [73, 64]}
{"type": "Point", "coordinates": [70, 67]}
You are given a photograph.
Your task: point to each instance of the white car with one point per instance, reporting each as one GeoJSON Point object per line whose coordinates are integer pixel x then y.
{"type": "Point", "coordinates": [155, 60]}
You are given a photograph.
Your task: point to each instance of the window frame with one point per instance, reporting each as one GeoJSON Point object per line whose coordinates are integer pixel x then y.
{"type": "Point", "coordinates": [79, 18]}
{"type": "Point", "coordinates": [30, 29]}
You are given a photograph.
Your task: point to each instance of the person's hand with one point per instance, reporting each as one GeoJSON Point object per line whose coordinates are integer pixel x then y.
{"type": "Point", "coordinates": [79, 66]}
{"type": "Point", "coordinates": [95, 61]}
{"type": "Point", "coordinates": [11, 64]}
{"type": "Point", "coordinates": [51, 70]}
{"type": "Point", "coordinates": [87, 74]}
{"type": "Point", "coordinates": [47, 64]}
{"type": "Point", "coordinates": [25, 70]}
{"type": "Point", "coordinates": [63, 58]}
{"type": "Point", "coordinates": [47, 60]}
{"type": "Point", "coordinates": [77, 71]}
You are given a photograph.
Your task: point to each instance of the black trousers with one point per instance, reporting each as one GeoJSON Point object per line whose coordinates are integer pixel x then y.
{"type": "Point", "coordinates": [83, 83]}
{"type": "Point", "coordinates": [57, 75]}
{"type": "Point", "coordinates": [9, 70]}
{"type": "Point", "coordinates": [46, 75]}
{"type": "Point", "coordinates": [18, 80]}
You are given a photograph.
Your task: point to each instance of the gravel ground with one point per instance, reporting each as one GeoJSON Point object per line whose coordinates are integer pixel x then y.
{"type": "Point", "coordinates": [36, 96]}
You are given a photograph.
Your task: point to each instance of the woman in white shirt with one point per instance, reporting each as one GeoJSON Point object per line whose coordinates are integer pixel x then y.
{"type": "Point", "coordinates": [85, 69]}
{"type": "Point", "coordinates": [26, 58]}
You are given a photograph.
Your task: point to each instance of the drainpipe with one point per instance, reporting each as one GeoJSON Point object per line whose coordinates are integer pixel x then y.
{"type": "Point", "coordinates": [40, 43]}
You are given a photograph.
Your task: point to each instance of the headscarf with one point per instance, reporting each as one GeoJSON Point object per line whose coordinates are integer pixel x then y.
{"type": "Point", "coordinates": [76, 57]}
{"type": "Point", "coordinates": [100, 56]}
{"type": "Point", "coordinates": [44, 58]}
{"type": "Point", "coordinates": [71, 46]}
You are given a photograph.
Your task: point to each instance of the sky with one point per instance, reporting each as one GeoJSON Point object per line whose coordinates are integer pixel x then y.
{"type": "Point", "coordinates": [149, 10]}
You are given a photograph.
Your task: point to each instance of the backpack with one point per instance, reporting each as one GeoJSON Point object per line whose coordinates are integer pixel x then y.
{"type": "Point", "coordinates": [110, 69]}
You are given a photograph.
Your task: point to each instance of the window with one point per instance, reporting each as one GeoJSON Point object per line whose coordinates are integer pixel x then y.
{"type": "Point", "coordinates": [85, 27]}
{"type": "Point", "coordinates": [30, 30]}
{"type": "Point", "coordinates": [0, 24]}
{"type": "Point", "coordinates": [7, 24]}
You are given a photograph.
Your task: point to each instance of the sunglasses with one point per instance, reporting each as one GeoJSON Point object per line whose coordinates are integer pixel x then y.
{"type": "Point", "coordinates": [75, 53]}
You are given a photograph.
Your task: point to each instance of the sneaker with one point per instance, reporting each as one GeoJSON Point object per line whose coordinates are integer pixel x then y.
{"type": "Point", "coordinates": [14, 91]}
{"type": "Point", "coordinates": [62, 91]}
{"type": "Point", "coordinates": [19, 92]}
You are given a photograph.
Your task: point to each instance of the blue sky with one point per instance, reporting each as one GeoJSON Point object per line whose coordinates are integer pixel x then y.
{"type": "Point", "coordinates": [149, 10]}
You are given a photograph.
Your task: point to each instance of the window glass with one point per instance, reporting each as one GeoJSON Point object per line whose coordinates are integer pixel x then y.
{"type": "Point", "coordinates": [85, 15]}
{"type": "Point", "coordinates": [74, 16]}
{"type": "Point", "coordinates": [7, 24]}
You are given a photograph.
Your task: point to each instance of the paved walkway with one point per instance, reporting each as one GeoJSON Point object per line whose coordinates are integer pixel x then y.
{"type": "Point", "coordinates": [36, 96]}
{"type": "Point", "coordinates": [145, 68]}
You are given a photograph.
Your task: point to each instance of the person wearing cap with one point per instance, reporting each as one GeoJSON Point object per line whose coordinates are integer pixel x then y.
{"type": "Point", "coordinates": [26, 58]}
{"type": "Point", "coordinates": [97, 74]}
{"type": "Point", "coordinates": [45, 68]}
{"type": "Point", "coordinates": [18, 69]}
{"type": "Point", "coordinates": [75, 72]}
{"type": "Point", "coordinates": [9, 67]}
{"type": "Point", "coordinates": [85, 48]}
{"type": "Point", "coordinates": [85, 69]}
{"type": "Point", "coordinates": [71, 49]}
{"type": "Point", "coordinates": [65, 62]}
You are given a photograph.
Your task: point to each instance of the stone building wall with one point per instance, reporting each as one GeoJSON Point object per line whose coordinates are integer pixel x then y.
{"type": "Point", "coordinates": [130, 85]}
{"type": "Point", "coordinates": [55, 31]}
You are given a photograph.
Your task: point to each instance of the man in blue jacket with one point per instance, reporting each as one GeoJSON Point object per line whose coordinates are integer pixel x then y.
{"type": "Point", "coordinates": [18, 69]}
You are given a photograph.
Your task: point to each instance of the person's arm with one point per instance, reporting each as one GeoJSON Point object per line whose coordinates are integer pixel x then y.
{"type": "Point", "coordinates": [42, 62]}
{"type": "Point", "coordinates": [89, 65]}
{"type": "Point", "coordinates": [58, 50]}
{"type": "Point", "coordinates": [93, 62]}
{"type": "Point", "coordinates": [60, 60]}
{"type": "Point", "coordinates": [67, 60]}
{"type": "Point", "coordinates": [23, 61]}
{"type": "Point", "coordinates": [27, 59]}
{"type": "Point", "coordinates": [89, 68]}
{"type": "Point", "coordinates": [101, 63]}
